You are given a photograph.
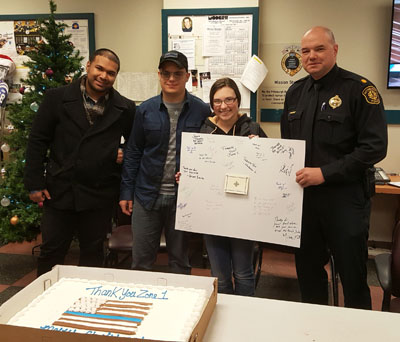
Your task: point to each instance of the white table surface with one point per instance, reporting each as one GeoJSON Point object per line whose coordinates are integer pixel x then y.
{"type": "Point", "coordinates": [249, 319]}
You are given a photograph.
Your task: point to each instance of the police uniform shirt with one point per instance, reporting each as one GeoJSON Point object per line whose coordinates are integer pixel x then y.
{"type": "Point", "coordinates": [342, 119]}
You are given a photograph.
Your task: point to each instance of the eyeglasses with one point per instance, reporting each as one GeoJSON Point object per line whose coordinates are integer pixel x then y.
{"type": "Point", "coordinates": [166, 75]}
{"type": "Point", "coordinates": [227, 101]}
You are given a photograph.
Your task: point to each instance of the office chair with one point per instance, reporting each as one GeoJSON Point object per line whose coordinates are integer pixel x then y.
{"type": "Point", "coordinates": [120, 241]}
{"type": "Point", "coordinates": [334, 281]}
{"type": "Point", "coordinates": [257, 261]}
{"type": "Point", "coordinates": [388, 271]}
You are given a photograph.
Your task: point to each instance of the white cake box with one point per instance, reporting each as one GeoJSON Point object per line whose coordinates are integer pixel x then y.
{"type": "Point", "coordinates": [11, 333]}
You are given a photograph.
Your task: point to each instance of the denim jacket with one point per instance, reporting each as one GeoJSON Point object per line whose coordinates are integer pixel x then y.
{"type": "Point", "coordinates": [146, 151]}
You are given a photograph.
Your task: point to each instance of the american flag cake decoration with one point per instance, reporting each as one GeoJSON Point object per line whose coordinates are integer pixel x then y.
{"type": "Point", "coordinates": [98, 314]}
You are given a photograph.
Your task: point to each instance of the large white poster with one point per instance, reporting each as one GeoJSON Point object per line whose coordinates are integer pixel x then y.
{"type": "Point", "coordinates": [241, 187]}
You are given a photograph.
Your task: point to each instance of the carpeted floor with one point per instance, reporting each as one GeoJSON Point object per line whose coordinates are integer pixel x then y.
{"type": "Point", "coordinates": [277, 280]}
{"type": "Point", "coordinates": [14, 266]}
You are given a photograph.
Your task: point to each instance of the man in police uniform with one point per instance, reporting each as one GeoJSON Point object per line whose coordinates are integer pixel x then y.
{"type": "Point", "coordinates": [341, 117]}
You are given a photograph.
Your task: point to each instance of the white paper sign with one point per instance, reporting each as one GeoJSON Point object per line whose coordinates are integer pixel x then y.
{"type": "Point", "coordinates": [214, 40]}
{"type": "Point", "coordinates": [137, 86]}
{"type": "Point", "coordinates": [254, 73]}
{"type": "Point", "coordinates": [188, 48]}
{"type": "Point", "coordinates": [271, 209]}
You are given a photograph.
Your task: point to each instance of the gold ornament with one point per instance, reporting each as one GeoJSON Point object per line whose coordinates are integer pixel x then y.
{"type": "Point", "coordinates": [14, 220]}
{"type": "Point", "coordinates": [5, 148]}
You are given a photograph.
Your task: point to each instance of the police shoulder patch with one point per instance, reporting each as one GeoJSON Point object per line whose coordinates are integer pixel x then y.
{"type": "Point", "coordinates": [371, 95]}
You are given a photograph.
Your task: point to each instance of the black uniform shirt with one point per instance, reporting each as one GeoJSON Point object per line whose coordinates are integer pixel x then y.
{"type": "Point", "coordinates": [343, 123]}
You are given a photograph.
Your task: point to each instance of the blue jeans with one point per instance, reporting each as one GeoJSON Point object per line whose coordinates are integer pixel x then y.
{"type": "Point", "coordinates": [232, 256]}
{"type": "Point", "coordinates": [147, 227]}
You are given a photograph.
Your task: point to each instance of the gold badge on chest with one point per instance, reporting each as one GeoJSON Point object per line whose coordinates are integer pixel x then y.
{"type": "Point", "coordinates": [335, 101]}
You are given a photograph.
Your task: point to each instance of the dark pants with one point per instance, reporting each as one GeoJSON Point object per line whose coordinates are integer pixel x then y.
{"type": "Point", "coordinates": [335, 218]}
{"type": "Point", "coordinates": [147, 227]}
{"type": "Point", "coordinates": [60, 226]}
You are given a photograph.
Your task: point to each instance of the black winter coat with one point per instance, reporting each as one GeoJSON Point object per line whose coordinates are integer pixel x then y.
{"type": "Point", "coordinates": [80, 171]}
{"type": "Point", "coordinates": [242, 127]}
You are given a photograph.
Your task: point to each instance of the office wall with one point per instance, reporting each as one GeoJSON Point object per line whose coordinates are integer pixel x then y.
{"type": "Point", "coordinates": [174, 4]}
{"type": "Point", "coordinates": [132, 28]}
{"type": "Point", "coordinates": [362, 30]}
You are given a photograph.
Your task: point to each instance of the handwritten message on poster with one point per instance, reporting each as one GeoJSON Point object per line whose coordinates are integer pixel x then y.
{"type": "Point", "coordinates": [270, 206]}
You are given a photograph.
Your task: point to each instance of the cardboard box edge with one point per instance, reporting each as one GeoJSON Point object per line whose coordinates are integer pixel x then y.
{"type": "Point", "coordinates": [16, 333]}
{"type": "Point", "coordinates": [200, 329]}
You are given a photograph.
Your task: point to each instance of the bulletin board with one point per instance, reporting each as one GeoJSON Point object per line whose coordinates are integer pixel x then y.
{"type": "Point", "coordinates": [218, 43]}
{"type": "Point", "coordinates": [20, 31]}
{"type": "Point", "coordinates": [19, 34]}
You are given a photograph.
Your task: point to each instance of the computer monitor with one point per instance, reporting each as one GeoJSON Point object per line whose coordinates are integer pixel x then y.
{"type": "Point", "coordinates": [394, 54]}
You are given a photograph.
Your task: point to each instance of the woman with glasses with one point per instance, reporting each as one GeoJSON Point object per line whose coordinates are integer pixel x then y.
{"type": "Point", "coordinates": [230, 257]}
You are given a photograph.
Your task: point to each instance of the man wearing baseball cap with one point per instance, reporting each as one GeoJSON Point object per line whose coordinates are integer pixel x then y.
{"type": "Point", "coordinates": [151, 160]}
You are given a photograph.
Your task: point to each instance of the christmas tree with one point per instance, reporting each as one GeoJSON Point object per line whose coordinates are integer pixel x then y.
{"type": "Point", "coordinates": [52, 63]}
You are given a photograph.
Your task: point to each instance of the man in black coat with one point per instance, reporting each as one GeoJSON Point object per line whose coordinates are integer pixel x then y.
{"type": "Point", "coordinates": [81, 126]}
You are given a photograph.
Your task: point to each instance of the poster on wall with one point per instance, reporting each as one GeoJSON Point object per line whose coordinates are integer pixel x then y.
{"type": "Point", "coordinates": [284, 68]}
{"type": "Point", "coordinates": [18, 37]}
{"type": "Point", "coordinates": [79, 31]}
{"type": "Point", "coordinates": [7, 40]}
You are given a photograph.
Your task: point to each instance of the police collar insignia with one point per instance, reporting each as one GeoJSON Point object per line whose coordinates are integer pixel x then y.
{"type": "Point", "coordinates": [371, 95]}
{"type": "Point", "coordinates": [335, 101]}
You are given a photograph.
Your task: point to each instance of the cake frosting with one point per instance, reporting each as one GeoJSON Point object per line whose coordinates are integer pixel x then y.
{"type": "Point", "coordinates": [115, 309]}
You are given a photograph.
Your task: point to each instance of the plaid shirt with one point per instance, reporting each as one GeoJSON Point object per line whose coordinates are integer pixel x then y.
{"type": "Point", "coordinates": [93, 108]}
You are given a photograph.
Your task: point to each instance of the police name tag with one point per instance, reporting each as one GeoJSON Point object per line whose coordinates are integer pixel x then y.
{"type": "Point", "coordinates": [236, 184]}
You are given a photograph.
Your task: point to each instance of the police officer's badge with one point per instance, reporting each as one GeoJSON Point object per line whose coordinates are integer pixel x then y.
{"type": "Point", "coordinates": [371, 95]}
{"type": "Point", "coordinates": [335, 101]}
{"type": "Point", "coordinates": [291, 60]}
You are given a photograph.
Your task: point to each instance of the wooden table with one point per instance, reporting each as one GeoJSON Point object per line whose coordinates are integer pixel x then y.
{"type": "Point", "coordinates": [389, 189]}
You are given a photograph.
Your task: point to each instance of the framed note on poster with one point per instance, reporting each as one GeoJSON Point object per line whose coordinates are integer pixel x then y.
{"type": "Point", "coordinates": [241, 187]}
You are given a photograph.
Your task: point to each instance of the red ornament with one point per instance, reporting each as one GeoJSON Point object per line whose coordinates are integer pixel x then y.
{"type": "Point", "coordinates": [22, 90]}
{"type": "Point", "coordinates": [49, 72]}
{"type": "Point", "coordinates": [40, 204]}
